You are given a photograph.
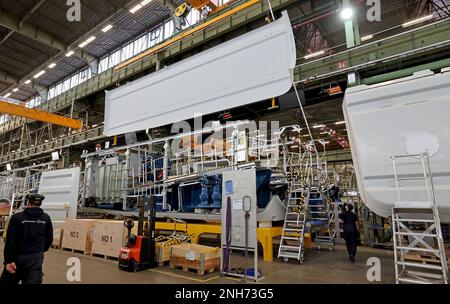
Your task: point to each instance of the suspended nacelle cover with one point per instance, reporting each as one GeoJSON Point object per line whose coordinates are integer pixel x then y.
{"type": "Point", "coordinates": [401, 117]}
{"type": "Point", "coordinates": [247, 69]}
{"type": "Point", "coordinates": [60, 188]}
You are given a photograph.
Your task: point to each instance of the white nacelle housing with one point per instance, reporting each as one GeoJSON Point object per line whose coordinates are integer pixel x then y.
{"type": "Point", "coordinates": [406, 116]}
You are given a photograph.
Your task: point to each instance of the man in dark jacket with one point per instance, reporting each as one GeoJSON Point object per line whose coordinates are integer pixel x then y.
{"type": "Point", "coordinates": [349, 221]}
{"type": "Point", "coordinates": [29, 235]}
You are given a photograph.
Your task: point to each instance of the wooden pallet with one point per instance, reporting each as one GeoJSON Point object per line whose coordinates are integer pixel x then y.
{"type": "Point", "coordinates": [425, 258]}
{"type": "Point", "coordinates": [56, 246]}
{"type": "Point", "coordinates": [192, 266]}
{"type": "Point", "coordinates": [75, 250]}
{"type": "Point", "coordinates": [106, 257]}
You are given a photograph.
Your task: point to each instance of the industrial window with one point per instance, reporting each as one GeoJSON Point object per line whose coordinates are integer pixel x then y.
{"type": "Point", "coordinates": [103, 65]}
{"type": "Point", "coordinates": [140, 45]}
{"type": "Point", "coordinates": [168, 29]}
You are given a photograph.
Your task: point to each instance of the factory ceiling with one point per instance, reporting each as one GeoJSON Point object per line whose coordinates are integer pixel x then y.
{"type": "Point", "coordinates": [36, 33]}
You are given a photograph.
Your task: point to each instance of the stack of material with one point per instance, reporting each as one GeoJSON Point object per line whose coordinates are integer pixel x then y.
{"type": "Point", "coordinates": [164, 246]}
{"type": "Point", "coordinates": [195, 257]}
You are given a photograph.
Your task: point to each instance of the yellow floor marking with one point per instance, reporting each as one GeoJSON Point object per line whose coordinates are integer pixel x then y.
{"type": "Point", "coordinates": [182, 276]}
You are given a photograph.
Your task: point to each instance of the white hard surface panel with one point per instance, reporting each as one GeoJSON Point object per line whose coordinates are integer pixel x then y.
{"type": "Point", "coordinates": [247, 69]}
{"type": "Point", "coordinates": [60, 188]}
{"type": "Point", "coordinates": [244, 184]}
{"type": "Point", "coordinates": [397, 118]}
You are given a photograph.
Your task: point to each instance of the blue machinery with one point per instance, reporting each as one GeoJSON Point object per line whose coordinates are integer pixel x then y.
{"type": "Point", "coordinates": [205, 194]}
{"type": "Point", "coordinates": [185, 177]}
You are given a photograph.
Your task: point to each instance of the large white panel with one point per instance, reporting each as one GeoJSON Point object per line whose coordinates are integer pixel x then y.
{"type": "Point", "coordinates": [247, 69]}
{"type": "Point", "coordinates": [241, 183]}
{"type": "Point", "coordinates": [401, 117]}
{"type": "Point", "coordinates": [60, 188]}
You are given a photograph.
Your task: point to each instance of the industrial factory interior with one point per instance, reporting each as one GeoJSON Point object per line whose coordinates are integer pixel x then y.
{"type": "Point", "coordinates": [224, 142]}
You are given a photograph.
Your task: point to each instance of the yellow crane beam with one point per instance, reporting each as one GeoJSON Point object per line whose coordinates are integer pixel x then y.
{"type": "Point", "coordinates": [22, 111]}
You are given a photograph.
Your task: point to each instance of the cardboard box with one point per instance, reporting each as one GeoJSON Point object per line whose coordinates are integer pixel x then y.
{"type": "Point", "coordinates": [77, 235]}
{"type": "Point", "coordinates": [109, 237]}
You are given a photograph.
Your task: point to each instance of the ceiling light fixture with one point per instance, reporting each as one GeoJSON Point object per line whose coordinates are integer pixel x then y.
{"type": "Point", "coordinates": [27, 81]}
{"type": "Point", "coordinates": [135, 8]}
{"type": "Point", "coordinates": [70, 53]}
{"type": "Point", "coordinates": [418, 20]}
{"type": "Point", "coordinates": [52, 65]}
{"type": "Point", "coordinates": [145, 2]}
{"type": "Point", "coordinates": [346, 13]}
{"type": "Point", "coordinates": [316, 54]}
{"type": "Point", "coordinates": [340, 122]}
{"type": "Point", "coordinates": [107, 28]}
{"type": "Point", "coordinates": [87, 41]}
{"type": "Point", "coordinates": [7, 95]}
{"type": "Point", "coordinates": [365, 38]}
{"type": "Point", "coordinates": [318, 126]}
{"type": "Point", "coordinates": [15, 90]}
{"type": "Point", "coordinates": [39, 74]}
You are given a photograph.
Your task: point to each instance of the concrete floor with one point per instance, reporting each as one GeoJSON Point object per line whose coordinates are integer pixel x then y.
{"type": "Point", "coordinates": [319, 267]}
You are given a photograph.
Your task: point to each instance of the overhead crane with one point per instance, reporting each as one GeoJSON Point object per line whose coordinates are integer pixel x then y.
{"type": "Point", "coordinates": [7, 106]}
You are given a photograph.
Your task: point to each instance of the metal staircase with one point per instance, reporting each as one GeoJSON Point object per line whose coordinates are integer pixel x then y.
{"type": "Point", "coordinates": [320, 218]}
{"type": "Point", "coordinates": [419, 252]}
{"type": "Point", "coordinates": [292, 237]}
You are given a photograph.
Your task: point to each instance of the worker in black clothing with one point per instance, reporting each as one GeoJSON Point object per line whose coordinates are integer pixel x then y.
{"type": "Point", "coordinates": [349, 221]}
{"type": "Point", "coordinates": [29, 235]}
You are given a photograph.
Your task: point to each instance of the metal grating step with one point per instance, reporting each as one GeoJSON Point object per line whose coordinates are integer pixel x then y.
{"type": "Point", "coordinates": [290, 238]}
{"type": "Point", "coordinates": [413, 281]}
{"type": "Point", "coordinates": [413, 220]}
{"type": "Point", "coordinates": [420, 265]}
{"type": "Point", "coordinates": [292, 221]}
{"type": "Point", "coordinates": [417, 249]}
{"type": "Point", "coordinates": [416, 234]}
{"type": "Point", "coordinates": [289, 255]}
{"type": "Point", "coordinates": [290, 248]}
{"type": "Point", "coordinates": [292, 229]}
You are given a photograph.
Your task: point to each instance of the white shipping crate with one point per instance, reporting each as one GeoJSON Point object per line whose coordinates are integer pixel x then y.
{"type": "Point", "coordinates": [77, 235]}
{"type": "Point", "coordinates": [109, 236]}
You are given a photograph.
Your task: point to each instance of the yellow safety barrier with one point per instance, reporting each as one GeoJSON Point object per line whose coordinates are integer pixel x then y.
{"type": "Point", "coordinates": [265, 235]}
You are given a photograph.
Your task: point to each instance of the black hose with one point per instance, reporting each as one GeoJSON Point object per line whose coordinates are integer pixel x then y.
{"type": "Point", "coordinates": [227, 250]}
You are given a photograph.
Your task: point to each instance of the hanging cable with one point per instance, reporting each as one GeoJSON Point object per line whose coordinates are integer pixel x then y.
{"type": "Point", "coordinates": [271, 11]}
{"type": "Point", "coordinates": [307, 124]}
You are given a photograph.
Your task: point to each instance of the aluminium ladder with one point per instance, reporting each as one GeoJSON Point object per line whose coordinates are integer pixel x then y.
{"type": "Point", "coordinates": [321, 219]}
{"type": "Point", "coordinates": [292, 237]}
{"type": "Point", "coordinates": [417, 230]}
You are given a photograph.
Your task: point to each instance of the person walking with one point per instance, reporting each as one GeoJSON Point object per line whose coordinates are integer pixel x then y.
{"type": "Point", "coordinates": [349, 221]}
{"type": "Point", "coordinates": [29, 235]}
